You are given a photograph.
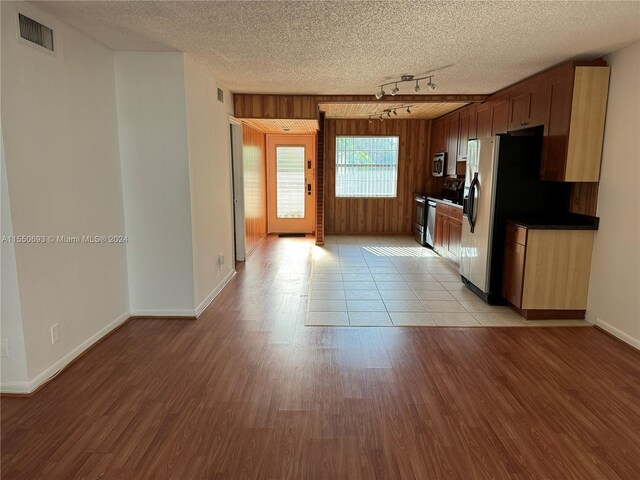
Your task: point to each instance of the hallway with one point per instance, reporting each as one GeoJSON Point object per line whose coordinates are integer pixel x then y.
{"type": "Point", "coordinates": [248, 391]}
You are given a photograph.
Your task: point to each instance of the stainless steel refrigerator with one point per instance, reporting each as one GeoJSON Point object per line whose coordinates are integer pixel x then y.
{"type": "Point", "coordinates": [501, 183]}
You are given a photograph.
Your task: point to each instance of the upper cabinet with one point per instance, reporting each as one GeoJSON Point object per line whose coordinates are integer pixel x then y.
{"type": "Point", "coordinates": [452, 130]}
{"type": "Point", "coordinates": [569, 102]}
{"type": "Point", "coordinates": [574, 131]}
{"type": "Point", "coordinates": [467, 128]}
{"type": "Point", "coordinates": [499, 114]}
{"type": "Point", "coordinates": [528, 104]}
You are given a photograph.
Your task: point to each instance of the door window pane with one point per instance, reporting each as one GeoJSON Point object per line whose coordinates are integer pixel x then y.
{"type": "Point", "coordinates": [290, 182]}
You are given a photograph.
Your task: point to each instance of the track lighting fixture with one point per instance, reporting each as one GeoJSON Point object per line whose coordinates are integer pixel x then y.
{"type": "Point", "coordinates": [405, 78]}
{"type": "Point", "coordinates": [386, 113]}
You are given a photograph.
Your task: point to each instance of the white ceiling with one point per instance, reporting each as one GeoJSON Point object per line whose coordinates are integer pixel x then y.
{"type": "Point", "coordinates": [323, 47]}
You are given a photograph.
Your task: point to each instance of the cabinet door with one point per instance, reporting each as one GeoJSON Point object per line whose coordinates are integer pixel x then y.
{"type": "Point", "coordinates": [438, 234]}
{"type": "Point", "coordinates": [465, 132]}
{"type": "Point", "coordinates": [537, 105]}
{"type": "Point", "coordinates": [518, 110]}
{"type": "Point", "coordinates": [452, 129]}
{"type": "Point", "coordinates": [499, 116]}
{"type": "Point", "coordinates": [483, 120]}
{"type": "Point", "coordinates": [445, 234]}
{"type": "Point", "coordinates": [513, 273]}
{"type": "Point", "coordinates": [455, 237]}
{"type": "Point", "coordinates": [473, 123]}
{"type": "Point", "coordinates": [556, 135]}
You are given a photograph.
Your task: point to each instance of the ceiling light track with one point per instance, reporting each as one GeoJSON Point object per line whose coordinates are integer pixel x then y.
{"type": "Point", "coordinates": [404, 79]}
{"type": "Point", "coordinates": [388, 111]}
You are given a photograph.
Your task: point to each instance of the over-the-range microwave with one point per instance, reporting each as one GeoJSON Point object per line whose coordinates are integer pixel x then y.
{"type": "Point", "coordinates": [439, 164]}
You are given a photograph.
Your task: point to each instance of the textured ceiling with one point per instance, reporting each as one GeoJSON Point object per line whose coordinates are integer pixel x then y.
{"type": "Point", "coordinates": [364, 110]}
{"type": "Point", "coordinates": [298, 127]}
{"type": "Point", "coordinates": [350, 47]}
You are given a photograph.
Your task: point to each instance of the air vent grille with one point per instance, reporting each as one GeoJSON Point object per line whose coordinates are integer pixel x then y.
{"type": "Point", "coordinates": [220, 95]}
{"type": "Point", "coordinates": [35, 32]}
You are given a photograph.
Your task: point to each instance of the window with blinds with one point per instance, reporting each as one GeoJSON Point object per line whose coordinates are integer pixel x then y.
{"type": "Point", "coordinates": [366, 166]}
{"type": "Point", "coordinates": [290, 182]}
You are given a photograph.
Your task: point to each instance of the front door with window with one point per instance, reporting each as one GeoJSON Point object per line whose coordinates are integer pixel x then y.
{"type": "Point", "coordinates": [291, 187]}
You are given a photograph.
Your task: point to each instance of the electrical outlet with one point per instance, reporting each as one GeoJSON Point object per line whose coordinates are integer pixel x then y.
{"type": "Point", "coordinates": [55, 333]}
{"type": "Point", "coordinates": [4, 348]}
{"type": "Point", "coordinates": [220, 261]}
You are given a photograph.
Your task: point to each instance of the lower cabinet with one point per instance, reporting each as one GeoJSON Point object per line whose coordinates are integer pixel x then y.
{"type": "Point", "coordinates": [546, 272]}
{"type": "Point", "coordinates": [448, 232]}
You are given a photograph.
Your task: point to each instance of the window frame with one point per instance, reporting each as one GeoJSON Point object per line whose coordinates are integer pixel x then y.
{"type": "Point", "coordinates": [397, 165]}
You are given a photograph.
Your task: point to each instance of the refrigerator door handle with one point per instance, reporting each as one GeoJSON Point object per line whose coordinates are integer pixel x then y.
{"type": "Point", "coordinates": [472, 202]}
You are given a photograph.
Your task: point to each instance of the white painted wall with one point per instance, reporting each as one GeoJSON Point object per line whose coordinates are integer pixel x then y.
{"type": "Point", "coordinates": [13, 368]}
{"type": "Point", "coordinates": [152, 128]}
{"type": "Point", "coordinates": [63, 178]}
{"type": "Point", "coordinates": [614, 289]}
{"type": "Point", "coordinates": [210, 187]}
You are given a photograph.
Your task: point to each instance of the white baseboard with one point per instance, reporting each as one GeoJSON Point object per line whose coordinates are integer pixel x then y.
{"type": "Point", "coordinates": [163, 313]}
{"type": "Point", "coordinates": [44, 376]}
{"type": "Point", "coordinates": [634, 342]}
{"type": "Point", "coordinates": [15, 387]}
{"type": "Point", "coordinates": [214, 293]}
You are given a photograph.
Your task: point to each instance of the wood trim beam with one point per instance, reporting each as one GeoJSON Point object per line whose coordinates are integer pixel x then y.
{"type": "Point", "coordinates": [249, 105]}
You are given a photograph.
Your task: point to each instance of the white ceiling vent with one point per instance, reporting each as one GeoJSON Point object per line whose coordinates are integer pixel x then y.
{"type": "Point", "coordinates": [220, 95]}
{"type": "Point", "coordinates": [35, 32]}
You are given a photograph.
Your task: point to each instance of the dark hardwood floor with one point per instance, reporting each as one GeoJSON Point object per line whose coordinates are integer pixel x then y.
{"type": "Point", "coordinates": [247, 391]}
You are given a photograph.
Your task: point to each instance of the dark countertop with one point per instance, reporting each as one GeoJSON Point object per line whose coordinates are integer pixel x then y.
{"type": "Point", "coordinates": [569, 221]}
{"type": "Point", "coordinates": [446, 202]}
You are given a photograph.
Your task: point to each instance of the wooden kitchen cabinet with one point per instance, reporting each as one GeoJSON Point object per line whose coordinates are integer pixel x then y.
{"type": "Point", "coordinates": [574, 130]}
{"type": "Point", "coordinates": [546, 271]}
{"type": "Point", "coordinates": [448, 231]}
{"type": "Point", "coordinates": [483, 120]}
{"type": "Point", "coordinates": [466, 131]}
{"type": "Point", "coordinates": [514, 258]}
{"type": "Point", "coordinates": [499, 115]}
{"type": "Point", "coordinates": [528, 104]}
{"type": "Point", "coordinates": [452, 129]}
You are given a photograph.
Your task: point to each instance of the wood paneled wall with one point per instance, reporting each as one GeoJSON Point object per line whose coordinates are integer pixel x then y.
{"type": "Point", "coordinates": [254, 160]}
{"type": "Point", "coordinates": [380, 215]}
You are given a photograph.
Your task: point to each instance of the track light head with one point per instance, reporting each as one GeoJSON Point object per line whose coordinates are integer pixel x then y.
{"type": "Point", "coordinates": [395, 112]}
{"type": "Point", "coordinates": [431, 85]}
{"type": "Point", "coordinates": [408, 110]}
{"type": "Point", "coordinates": [395, 90]}
{"type": "Point", "coordinates": [416, 89]}
{"type": "Point", "coordinates": [380, 94]}
{"type": "Point", "coordinates": [389, 114]}
{"type": "Point", "coordinates": [370, 119]}
{"type": "Point", "coordinates": [381, 118]}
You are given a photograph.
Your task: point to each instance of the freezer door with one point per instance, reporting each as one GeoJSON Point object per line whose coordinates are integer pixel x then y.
{"type": "Point", "coordinates": [475, 256]}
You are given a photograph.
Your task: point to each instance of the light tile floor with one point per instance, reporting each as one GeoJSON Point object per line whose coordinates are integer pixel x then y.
{"type": "Point", "coordinates": [393, 281]}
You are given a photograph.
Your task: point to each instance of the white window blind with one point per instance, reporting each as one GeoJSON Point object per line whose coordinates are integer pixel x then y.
{"type": "Point", "coordinates": [290, 188]}
{"type": "Point", "coordinates": [366, 166]}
